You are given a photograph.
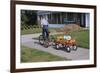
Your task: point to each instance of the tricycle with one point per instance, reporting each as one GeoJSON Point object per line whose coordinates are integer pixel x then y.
{"type": "Point", "coordinates": [43, 40]}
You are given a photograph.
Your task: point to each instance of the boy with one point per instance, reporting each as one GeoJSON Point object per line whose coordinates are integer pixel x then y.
{"type": "Point", "coordinates": [44, 25]}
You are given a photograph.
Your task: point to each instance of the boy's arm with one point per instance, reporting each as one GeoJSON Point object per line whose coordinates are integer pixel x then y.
{"type": "Point", "coordinates": [41, 24]}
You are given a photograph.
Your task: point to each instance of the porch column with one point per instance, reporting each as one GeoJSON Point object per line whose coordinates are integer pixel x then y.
{"type": "Point", "coordinates": [56, 18]}
{"type": "Point", "coordinates": [66, 16]}
{"type": "Point", "coordinates": [87, 19]}
{"type": "Point", "coordinates": [60, 18]}
{"type": "Point", "coordinates": [83, 20]}
{"type": "Point", "coordinates": [51, 18]}
{"type": "Point", "coordinates": [38, 20]}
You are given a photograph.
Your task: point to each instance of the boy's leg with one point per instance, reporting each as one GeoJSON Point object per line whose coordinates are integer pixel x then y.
{"type": "Point", "coordinates": [47, 33]}
{"type": "Point", "coordinates": [43, 33]}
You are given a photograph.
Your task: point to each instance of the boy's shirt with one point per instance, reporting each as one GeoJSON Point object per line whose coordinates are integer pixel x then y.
{"type": "Point", "coordinates": [44, 22]}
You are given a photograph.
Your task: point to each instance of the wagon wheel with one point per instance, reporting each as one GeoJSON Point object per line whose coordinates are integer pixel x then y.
{"type": "Point", "coordinates": [57, 46]}
{"type": "Point", "coordinates": [74, 47]}
{"type": "Point", "coordinates": [68, 49]}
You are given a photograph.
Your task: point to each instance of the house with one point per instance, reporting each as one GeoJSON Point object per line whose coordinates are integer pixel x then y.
{"type": "Point", "coordinates": [64, 18]}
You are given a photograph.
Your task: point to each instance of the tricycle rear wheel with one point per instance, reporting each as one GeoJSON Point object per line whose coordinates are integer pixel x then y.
{"type": "Point", "coordinates": [46, 43]}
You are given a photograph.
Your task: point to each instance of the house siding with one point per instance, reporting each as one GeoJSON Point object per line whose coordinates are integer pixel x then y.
{"type": "Point", "coordinates": [64, 18]}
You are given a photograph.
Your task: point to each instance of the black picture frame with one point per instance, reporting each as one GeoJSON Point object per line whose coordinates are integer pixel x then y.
{"type": "Point", "coordinates": [13, 35]}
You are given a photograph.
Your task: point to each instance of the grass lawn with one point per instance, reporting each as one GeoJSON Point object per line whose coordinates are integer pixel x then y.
{"type": "Point", "coordinates": [31, 31]}
{"type": "Point", "coordinates": [33, 55]}
{"type": "Point", "coordinates": [82, 38]}
{"type": "Point", "coordinates": [36, 30]}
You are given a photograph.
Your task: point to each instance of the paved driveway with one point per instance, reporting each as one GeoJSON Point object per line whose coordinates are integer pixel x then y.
{"type": "Point", "coordinates": [80, 54]}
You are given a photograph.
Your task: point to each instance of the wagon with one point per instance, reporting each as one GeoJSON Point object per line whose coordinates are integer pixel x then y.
{"type": "Point", "coordinates": [67, 43]}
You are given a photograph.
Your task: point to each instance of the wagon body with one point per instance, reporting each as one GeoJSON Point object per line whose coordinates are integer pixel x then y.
{"type": "Point", "coordinates": [68, 44]}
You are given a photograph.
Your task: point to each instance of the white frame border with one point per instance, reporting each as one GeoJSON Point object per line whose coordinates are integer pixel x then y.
{"type": "Point", "coordinates": [58, 63]}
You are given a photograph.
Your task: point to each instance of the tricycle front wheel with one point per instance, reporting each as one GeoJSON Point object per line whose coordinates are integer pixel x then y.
{"type": "Point", "coordinates": [41, 40]}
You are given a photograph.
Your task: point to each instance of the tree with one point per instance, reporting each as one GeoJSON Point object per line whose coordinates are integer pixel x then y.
{"type": "Point", "coordinates": [28, 18]}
